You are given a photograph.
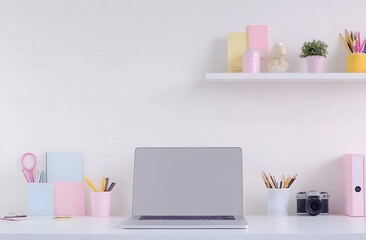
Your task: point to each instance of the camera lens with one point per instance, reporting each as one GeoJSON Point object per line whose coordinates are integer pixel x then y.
{"type": "Point", "coordinates": [314, 206]}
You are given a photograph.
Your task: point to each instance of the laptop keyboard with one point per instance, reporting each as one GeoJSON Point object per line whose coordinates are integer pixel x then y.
{"type": "Point", "coordinates": [187, 218]}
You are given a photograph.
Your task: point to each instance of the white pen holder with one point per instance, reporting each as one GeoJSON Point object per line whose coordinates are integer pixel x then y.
{"type": "Point", "coordinates": [277, 201]}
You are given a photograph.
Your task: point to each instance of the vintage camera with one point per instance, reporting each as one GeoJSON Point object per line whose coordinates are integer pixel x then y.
{"type": "Point", "coordinates": [312, 203]}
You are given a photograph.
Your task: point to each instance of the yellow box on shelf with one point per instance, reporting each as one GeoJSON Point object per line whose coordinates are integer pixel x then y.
{"type": "Point", "coordinates": [237, 44]}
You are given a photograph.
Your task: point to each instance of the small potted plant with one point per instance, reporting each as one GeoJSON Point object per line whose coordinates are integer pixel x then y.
{"type": "Point", "coordinates": [314, 52]}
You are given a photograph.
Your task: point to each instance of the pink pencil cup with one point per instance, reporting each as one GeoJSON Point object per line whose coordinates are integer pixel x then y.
{"type": "Point", "coordinates": [100, 204]}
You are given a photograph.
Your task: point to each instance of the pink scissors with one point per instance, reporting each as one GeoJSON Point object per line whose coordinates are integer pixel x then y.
{"type": "Point", "coordinates": [29, 171]}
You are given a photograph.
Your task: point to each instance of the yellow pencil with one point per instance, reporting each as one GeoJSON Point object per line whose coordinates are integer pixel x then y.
{"type": "Point", "coordinates": [350, 43]}
{"type": "Point", "coordinates": [102, 184]}
{"type": "Point", "coordinates": [349, 37]}
{"type": "Point", "coordinates": [268, 180]}
{"type": "Point", "coordinates": [90, 184]}
{"type": "Point", "coordinates": [345, 43]}
{"type": "Point", "coordinates": [287, 181]}
{"type": "Point", "coordinates": [265, 182]}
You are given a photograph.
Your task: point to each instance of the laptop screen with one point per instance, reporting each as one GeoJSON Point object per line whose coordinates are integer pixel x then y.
{"type": "Point", "coordinates": [188, 181]}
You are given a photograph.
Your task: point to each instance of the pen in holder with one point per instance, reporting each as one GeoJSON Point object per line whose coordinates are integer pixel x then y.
{"type": "Point", "coordinates": [277, 194]}
{"type": "Point", "coordinates": [356, 47]}
{"type": "Point", "coordinates": [100, 199]}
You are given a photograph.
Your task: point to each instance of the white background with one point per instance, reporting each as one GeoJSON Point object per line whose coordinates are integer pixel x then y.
{"type": "Point", "coordinates": [103, 77]}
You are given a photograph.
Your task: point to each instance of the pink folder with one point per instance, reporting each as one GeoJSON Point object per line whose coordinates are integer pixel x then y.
{"type": "Point", "coordinates": [353, 172]}
{"type": "Point", "coordinates": [258, 38]}
{"type": "Point", "coordinates": [69, 198]}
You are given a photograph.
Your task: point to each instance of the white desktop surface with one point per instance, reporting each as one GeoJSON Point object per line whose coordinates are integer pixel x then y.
{"type": "Point", "coordinates": [261, 227]}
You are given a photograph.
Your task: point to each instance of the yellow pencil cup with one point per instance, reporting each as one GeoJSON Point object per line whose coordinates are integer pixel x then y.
{"type": "Point", "coordinates": [356, 63]}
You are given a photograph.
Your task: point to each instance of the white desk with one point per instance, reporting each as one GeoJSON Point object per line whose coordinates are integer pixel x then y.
{"type": "Point", "coordinates": [261, 227]}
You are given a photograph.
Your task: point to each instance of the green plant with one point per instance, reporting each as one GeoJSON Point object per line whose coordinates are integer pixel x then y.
{"type": "Point", "coordinates": [314, 48]}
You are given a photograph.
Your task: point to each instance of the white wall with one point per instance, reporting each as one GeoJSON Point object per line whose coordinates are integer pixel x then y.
{"type": "Point", "coordinates": [104, 76]}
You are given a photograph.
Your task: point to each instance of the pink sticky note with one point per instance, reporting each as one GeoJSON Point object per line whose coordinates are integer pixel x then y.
{"type": "Point", "coordinates": [69, 198]}
{"type": "Point", "coordinates": [258, 38]}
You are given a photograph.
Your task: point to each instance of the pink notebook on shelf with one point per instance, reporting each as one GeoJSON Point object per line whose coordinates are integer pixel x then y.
{"type": "Point", "coordinates": [258, 38]}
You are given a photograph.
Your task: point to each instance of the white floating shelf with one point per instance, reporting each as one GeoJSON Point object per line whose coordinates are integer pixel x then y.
{"type": "Point", "coordinates": [286, 77]}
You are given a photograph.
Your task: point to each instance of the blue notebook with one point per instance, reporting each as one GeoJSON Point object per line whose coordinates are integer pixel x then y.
{"type": "Point", "coordinates": [64, 167]}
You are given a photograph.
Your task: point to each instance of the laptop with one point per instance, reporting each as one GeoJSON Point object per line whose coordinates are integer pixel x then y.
{"type": "Point", "coordinates": [187, 187]}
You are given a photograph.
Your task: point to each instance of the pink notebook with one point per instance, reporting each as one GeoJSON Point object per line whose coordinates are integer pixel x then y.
{"type": "Point", "coordinates": [258, 38]}
{"type": "Point", "coordinates": [69, 198]}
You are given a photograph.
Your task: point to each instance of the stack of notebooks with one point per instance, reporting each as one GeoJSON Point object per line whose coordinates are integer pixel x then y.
{"type": "Point", "coordinates": [64, 192]}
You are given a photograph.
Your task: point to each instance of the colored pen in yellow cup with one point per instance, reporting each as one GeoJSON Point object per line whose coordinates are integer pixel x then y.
{"type": "Point", "coordinates": [90, 184]}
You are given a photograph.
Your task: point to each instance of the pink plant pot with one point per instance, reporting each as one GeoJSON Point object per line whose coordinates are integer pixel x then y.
{"type": "Point", "coordinates": [315, 64]}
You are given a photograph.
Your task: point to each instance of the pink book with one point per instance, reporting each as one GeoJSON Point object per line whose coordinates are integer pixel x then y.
{"type": "Point", "coordinates": [69, 198]}
{"type": "Point", "coordinates": [258, 38]}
